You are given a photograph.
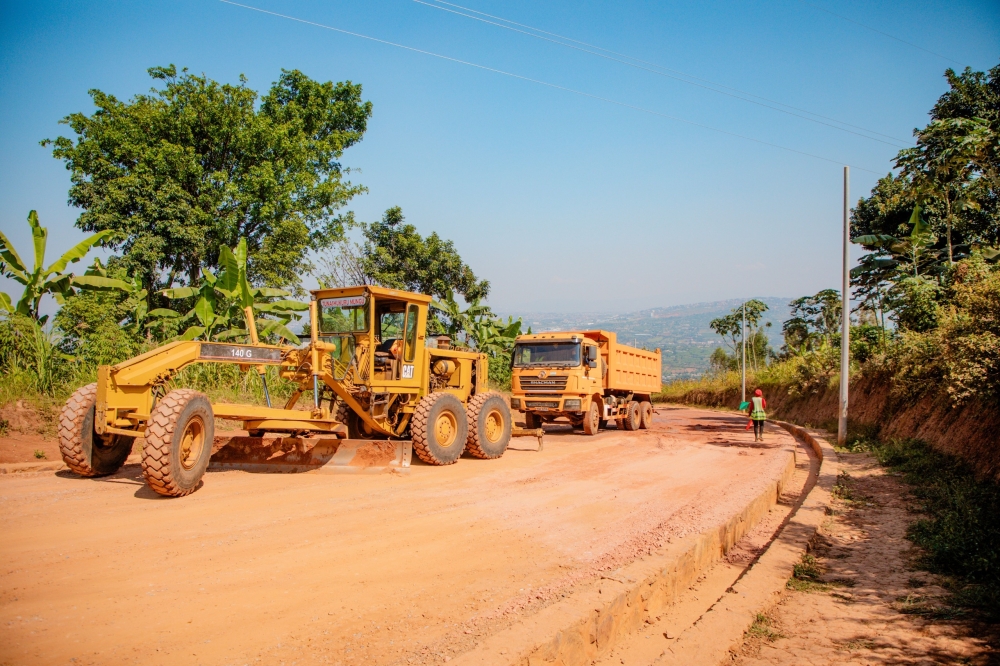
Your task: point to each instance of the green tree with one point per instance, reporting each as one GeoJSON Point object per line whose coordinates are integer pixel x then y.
{"type": "Point", "coordinates": [196, 165]}
{"type": "Point", "coordinates": [943, 168]}
{"type": "Point", "coordinates": [730, 327]}
{"type": "Point", "coordinates": [395, 255]}
{"type": "Point", "coordinates": [815, 321]}
{"type": "Point", "coordinates": [976, 95]}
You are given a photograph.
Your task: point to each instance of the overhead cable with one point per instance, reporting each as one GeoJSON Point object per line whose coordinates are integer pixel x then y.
{"type": "Point", "coordinates": [655, 69]}
{"type": "Point", "coordinates": [944, 57]}
{"type": "Point", "coordinates": [542, 83]}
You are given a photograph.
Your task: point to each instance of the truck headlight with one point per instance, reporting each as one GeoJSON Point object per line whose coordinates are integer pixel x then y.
{"type": "Point", "coordinates": [571, 405]}
{"type": "Point", "coordinates": [515, 403]}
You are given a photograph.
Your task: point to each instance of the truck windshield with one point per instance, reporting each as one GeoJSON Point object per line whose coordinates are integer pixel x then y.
{"type": "Point", "coordinates": [346, 314]}
{"type": "Point", "coordinates": [547, 353]}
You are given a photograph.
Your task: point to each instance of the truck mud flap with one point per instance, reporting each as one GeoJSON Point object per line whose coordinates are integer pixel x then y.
{"type": "Point", "coordinates": [310, 454]}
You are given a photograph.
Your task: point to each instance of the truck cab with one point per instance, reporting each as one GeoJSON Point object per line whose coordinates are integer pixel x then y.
{"type": "Point", "coordinates": [583, 377]}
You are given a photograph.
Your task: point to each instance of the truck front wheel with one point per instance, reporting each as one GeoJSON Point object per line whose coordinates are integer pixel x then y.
{"type": "Point", "coordinates": [631, 420]}
{"type": "Point", "coordinates": [532, 421]}
{"type": "Point", "coordinates": [592, 421]}
{"type": "Point", "coordinates": [489, 426]}
{"type": "Point", "coordinates": [439, 429]}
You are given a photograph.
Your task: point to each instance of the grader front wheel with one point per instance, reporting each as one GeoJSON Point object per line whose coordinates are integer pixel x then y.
{"type": "Point", "coordinates": [178, 443]}
{"type": "Point", "coordinates": [489, 426]}
{"type": "Point", "coordinates": [83, 450]}
{"type": "Point", "coordinates": [439, 429]}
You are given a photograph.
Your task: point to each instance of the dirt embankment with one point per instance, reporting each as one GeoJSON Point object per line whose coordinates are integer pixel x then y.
{"type": "Point", "coordinates": [969, 431]}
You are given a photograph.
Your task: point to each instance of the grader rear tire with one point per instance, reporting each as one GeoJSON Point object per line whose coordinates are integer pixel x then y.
{"type": "Point", "coordinates": [592, 420]}
{"type": "Point", "coordinates": [83, 450]}
{"type": "Point", "coordinates": [178, 443]}
{"type": "Point", "coordinates": [645, 414]}
{"type": "Point", "coordinates": [631, 420]}
{"type": "Point", "coordinates": [490, 426]}
{"type": "Point", "coordinates": [439, 429]}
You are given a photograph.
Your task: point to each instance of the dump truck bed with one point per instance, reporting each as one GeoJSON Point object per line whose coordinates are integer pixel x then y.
{"type": "Point", "coordinates": [629, 368]}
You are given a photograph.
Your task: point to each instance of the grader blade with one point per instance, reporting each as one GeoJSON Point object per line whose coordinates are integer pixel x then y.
{"type": "Point", "coordinates": [311, 454]}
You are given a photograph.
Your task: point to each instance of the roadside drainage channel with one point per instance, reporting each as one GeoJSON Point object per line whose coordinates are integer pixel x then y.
{"type": "Point", "coordinates": [719, 632]}
{"type": "Point", "coordinates": [604, 613]}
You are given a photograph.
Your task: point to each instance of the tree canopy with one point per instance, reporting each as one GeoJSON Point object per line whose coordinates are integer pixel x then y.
{"type": "Point", "coordinates": [196, 165]}
{"type": "Point", "coordinates": [393, 254]}
{"type": "Point", "coordinates": [942, 206]}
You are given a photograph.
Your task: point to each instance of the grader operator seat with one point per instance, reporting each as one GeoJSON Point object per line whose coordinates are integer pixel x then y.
{"type": "Point", "coordinates": [390, 318]}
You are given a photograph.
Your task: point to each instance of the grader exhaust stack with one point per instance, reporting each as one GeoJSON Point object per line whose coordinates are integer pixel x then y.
{"type": "Point", "coordinates": [372, 374]}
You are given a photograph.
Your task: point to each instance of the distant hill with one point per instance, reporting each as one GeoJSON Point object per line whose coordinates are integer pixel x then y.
{"type": "Point", "coordinates": [681, 331]}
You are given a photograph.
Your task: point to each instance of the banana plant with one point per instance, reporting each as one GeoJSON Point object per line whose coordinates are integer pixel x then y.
{"type": "Point", "coordinates": [41, 281]}
{"type": "Point", "coordinates": [493, 336]}
{"type": "Point", "coordinates": [221, 300]}
{"type": "Point", "coordinates": [458, 320]}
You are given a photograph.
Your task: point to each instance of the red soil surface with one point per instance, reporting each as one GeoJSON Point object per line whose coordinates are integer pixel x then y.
{"type": "Point", "coordinates": [354, 569]}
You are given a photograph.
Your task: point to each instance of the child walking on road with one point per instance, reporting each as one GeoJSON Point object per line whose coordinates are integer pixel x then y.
{"type": "Point", "coordinates": [756, 411]}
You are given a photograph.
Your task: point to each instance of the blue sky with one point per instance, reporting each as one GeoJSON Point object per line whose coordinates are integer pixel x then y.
{"type": "Point", "coordinates": [564, 202]}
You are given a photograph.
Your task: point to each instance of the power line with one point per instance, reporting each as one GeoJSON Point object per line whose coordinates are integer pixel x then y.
{"type": "Point", "coordinates": [543, 83]}
{"type": "Point", "coordinates": [742, 94]}
{"type": "Point", "coordinates": [868, 27]}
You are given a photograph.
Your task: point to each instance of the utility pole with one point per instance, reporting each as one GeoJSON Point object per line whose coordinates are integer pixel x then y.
{"type": "Point", "coordinates": [845, 325]}
{"type": "Point", "coordinates": [743, 336]}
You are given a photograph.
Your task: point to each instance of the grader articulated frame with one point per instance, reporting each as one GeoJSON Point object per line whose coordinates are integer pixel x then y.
{"type": "Point", "coordinates": [372, 372]}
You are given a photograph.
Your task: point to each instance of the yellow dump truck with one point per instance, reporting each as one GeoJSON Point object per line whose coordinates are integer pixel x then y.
{"type": "Point", "coordinates": [586, 377]}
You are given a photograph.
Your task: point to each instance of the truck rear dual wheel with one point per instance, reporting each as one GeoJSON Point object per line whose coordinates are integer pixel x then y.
{"type": "Point", "coordinates": [632, 417]}
{"type": "Point", "coordinates": [489, 426]}
{"type": "Point", "coordinates": [645, 414]}
{"type": "Point", "coordinates": [83, 450]}
{"type": "Point", "coordinates": [440, 429]}
{"type": "Point", "coordinates": [179, 440]}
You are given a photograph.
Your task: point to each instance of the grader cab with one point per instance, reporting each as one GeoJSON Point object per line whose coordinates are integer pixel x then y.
{"type": "Point", "coordinates": [369, 366]}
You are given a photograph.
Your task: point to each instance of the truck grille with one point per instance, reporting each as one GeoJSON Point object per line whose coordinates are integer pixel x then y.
{"type": "Point", "coordinates": [538, 403]}
{"type": "Point", "coordinates": [553, 383]}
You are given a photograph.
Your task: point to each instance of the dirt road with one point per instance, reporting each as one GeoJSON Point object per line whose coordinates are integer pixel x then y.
{"type": "Point", "coordinates": [364, 569]}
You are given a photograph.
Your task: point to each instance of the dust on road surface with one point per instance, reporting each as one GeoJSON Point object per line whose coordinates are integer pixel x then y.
{"type": "Point", "coordinates": [354, 569]}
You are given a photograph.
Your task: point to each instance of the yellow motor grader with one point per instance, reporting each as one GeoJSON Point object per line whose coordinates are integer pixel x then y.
{"type": "Point", "coordinates": [372, 372]}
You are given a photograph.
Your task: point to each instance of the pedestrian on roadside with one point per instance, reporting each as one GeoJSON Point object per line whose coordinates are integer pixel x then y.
{"type": "Point", "coordinates": [757, 414]}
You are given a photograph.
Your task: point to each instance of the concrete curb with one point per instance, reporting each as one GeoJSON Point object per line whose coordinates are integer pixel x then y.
{"type": "Point", "coordinates": [600, 615]}
{"type": "Point", "coordinates": [720, 631]}
{"type": "Point", "coordinates": [27, 468]}
{"type": "Point", "coordinates": [24, 468]}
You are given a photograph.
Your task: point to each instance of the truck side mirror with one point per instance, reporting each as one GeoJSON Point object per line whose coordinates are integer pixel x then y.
{"type": "Point", "coordinates": [590, 353]}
